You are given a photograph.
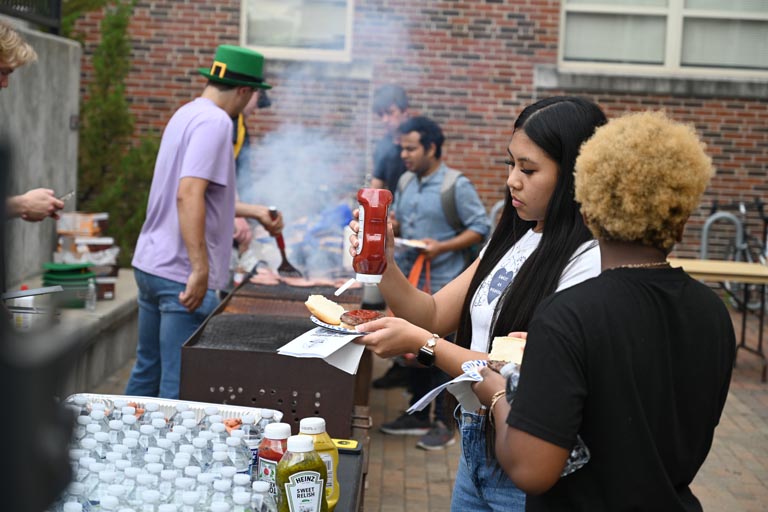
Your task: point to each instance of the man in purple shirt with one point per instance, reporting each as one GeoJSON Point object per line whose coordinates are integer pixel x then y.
{"type": "Point", "coordinates": [182, 255]}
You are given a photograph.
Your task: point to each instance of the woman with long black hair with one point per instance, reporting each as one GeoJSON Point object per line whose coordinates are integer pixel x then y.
{"type": "Point", "coordinates": [539, 246]}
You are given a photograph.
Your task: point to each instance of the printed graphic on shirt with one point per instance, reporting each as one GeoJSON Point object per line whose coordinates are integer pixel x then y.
{"type": "Point", "coordinates": [491, 288]}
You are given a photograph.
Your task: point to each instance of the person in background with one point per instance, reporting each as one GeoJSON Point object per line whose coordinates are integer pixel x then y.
{"type": "Point", "coordinates": [243, 232]}
{"type": "Point", "coordinates": [540, 246]}
{"type": "Point", "coordinates": [636, 361]}
{"type": "Point", "coordinates": [184, 248]}
{"type": "Point", "coordinates": [40, 203]}
{"type": "Point", "coordinates": [390, 103]}
{"type": "Point", "coordinates": [418, 214]}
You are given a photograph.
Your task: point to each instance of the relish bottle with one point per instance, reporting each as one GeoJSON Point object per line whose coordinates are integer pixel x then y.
{"type": "Point", "coordinates": [301, 477]}
{"type": "Point", "coordinates": [271, 449]}
{"type": "Point", "coordinates": [370, 261]}
{"type": "Point", "coordinates": [329, 454]}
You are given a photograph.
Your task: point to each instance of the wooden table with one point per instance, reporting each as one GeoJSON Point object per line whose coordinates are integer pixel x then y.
{"type": "Point", "coordinates": [739, 272]}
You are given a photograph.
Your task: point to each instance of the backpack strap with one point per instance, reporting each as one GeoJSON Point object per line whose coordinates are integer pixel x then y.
{"type": "Point", "coordinates": [448, 199]}
{"type": "Point", "coordinates": [447, 195]}
{"type": "Point", "coordinates": [404, 180]}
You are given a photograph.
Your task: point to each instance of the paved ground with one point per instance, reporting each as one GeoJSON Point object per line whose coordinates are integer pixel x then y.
{"type": "Point", "coordinates": [402, 478]}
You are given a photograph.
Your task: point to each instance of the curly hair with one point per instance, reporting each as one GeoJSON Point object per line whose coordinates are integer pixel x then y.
{"type": "Point", "coordinates": [639, 178]}
{"type": "Point", "coordinates": [14, 51]}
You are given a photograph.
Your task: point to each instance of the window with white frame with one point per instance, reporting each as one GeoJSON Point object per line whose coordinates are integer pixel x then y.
{"type": "Point", "coordinates": [298, 29]}
{"type": "Point", "coordinates": [666, 36]}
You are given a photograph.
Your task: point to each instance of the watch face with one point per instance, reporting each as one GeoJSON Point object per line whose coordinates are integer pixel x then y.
{"type": "Point", "coordinates": [426, 356]}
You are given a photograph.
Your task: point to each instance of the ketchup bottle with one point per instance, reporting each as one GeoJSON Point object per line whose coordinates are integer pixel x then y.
{"type": "Point", "coordinates": [273, 446]}
{"type": "Point", "coordinates": [371, 262]}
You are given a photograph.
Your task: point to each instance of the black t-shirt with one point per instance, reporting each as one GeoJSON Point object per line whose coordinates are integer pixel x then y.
{"type": "Point", "coordinates": [637, 362]}
{"type": "Point", "coordinates": [387, 164]}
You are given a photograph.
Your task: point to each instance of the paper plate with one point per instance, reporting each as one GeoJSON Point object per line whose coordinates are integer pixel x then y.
{"type": "Point", "coordinates": [336, 328]}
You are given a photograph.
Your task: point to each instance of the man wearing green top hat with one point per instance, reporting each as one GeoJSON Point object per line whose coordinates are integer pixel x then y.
{"type": "Point", "coordinates": [182, 255]}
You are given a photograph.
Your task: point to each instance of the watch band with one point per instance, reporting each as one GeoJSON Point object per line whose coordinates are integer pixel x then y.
{"type": "Point", "coordinates": [426, 355]}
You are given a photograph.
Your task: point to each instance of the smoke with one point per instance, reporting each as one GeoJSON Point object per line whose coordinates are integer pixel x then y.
{"type": "Point", "coordinates": [295, 168]}
{"type": "Point", "coordinates": [312, 165]}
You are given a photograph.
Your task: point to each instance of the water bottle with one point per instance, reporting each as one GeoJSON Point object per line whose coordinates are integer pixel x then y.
{"type": "Point", "coordinates": [177, 418]}
{"type": "Point", "coordinates": [90, 297]}
{"type": "Point", "coordinates": [81, 427]}
{"type": "Point", "coordinates": [242, 483]}
{"type": "Point", "coordinates": [190, 500]}
{"type": "Point", "coordinates": [236, 451]}
{"type": "Point", "coordinates": [109, 503]}
{"type": "Point", "coordinates": [241, 501]}
{"type": "Point", "coordinates": [220, 459]}
{"type": "Point", "coordinates": [76, 494]}
{"type": "Point", "coordinates": [261, 499]}
{"type": "Point", "coordinates": [267, 417]}
{"type": "Point", "coordinates": [167, 507]}
{"type": "Point", "coordinates": [181, 485]}
{"type": "Point", "coordinates": [221, 490]}
{"type": "Point", "coordinates": [150, 500]}
{"type": "Point", "coordinates": [167, 479]}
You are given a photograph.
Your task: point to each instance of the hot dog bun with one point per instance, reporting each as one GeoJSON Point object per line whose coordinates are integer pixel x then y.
{"type": "Point", "coordinates": [324, 309]}
{"type": "Point", "coordinates": [507, 348]}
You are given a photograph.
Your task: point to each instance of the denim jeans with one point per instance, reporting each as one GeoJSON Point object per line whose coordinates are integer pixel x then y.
{"type": "Point", "coordinates": [164, 326]}
{"type": "Point", "coordinates": [480, 486]}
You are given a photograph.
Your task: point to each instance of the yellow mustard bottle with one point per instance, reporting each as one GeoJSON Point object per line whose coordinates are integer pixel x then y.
{"type": "Point", "coordinates": [328, 452]}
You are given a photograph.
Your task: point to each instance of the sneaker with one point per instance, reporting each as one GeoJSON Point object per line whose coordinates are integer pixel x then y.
{"type": "Point", "coordinates": [437, 438]}
{"type": "Point", "coordinates": [396, 376]}
{"type": "Point", "coordinates": [407, 425]}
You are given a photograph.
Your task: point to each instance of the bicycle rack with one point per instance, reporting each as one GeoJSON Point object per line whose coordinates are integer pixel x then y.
{"type": "Point", "coordinates": [704, 249]}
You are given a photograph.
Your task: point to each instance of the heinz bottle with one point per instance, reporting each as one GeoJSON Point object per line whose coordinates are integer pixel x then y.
{"type": "Point", "coordinates": [371, 262]}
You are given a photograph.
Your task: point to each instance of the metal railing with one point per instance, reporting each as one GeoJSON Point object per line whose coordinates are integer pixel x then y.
{"type": "Point", "coordinates": [42, 12]}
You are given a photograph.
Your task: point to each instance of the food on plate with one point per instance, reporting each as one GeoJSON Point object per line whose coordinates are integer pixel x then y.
{"type": "Point", "coordinates": [324, 309]}
{"type": "Point", "coordinates": [232, 424]}
{"type": "Point", "coordinates": [506, 349]}
{"type": "Point", "coordinates": [349, 319]}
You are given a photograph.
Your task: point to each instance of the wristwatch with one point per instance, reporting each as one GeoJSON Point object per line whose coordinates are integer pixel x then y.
{"type": "Point", "coordinates": [426, 355]}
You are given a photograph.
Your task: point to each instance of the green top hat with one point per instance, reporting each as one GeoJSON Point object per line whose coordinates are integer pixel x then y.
{"type": "Point", "coordinates": [235, 65]}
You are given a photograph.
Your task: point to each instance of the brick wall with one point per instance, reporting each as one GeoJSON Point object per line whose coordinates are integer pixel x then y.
{"type": "Point", "coordinates": [468, 64]}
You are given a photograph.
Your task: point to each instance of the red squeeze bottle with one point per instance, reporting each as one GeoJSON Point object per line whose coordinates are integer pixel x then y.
{"type": "Point", "coordinates": [370, 261]}
{"type": "Point", "coordinates": [273, 446]}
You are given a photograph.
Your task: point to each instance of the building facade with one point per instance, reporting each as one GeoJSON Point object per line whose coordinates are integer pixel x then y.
{"type": "Point", "coordinates": [471, 65]}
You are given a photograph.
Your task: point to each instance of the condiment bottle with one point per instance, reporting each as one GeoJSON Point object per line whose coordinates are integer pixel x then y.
{"type": "Point", "coordinates": [271, 449]}
{"type": "Point", "coordinates": [301, 477]}
{"type": "Point", "coordinates": [315, 427]}
{"type": "Point", "coordinates": [370, 261]}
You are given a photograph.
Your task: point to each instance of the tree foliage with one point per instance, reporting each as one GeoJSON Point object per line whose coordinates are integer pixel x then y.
{"type": "Point", "coordinates": [114, 172]}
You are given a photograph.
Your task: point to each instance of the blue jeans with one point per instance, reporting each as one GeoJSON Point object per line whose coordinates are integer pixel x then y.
{"type": "Point", "coordinates": [480, 486]}
{"type": "Point", "coordinates": [164, 326]}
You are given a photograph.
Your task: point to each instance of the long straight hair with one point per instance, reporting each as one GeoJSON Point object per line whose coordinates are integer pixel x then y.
{"type": "Point", "coordinates": [558, 125]}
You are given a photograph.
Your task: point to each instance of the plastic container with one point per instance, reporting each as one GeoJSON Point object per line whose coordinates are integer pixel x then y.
{"type": "Point", "coordinates": [301, 477]}
{"type": "Point", "coordinates": [273, 446]}
{"type": "Point", "coordinates": [324, 446]}
{"type": "Point", "coordinates": [370, 261]}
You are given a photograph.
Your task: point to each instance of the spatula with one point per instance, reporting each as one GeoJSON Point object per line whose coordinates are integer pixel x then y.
{"type": "Point", "coordinates": [285, 269]}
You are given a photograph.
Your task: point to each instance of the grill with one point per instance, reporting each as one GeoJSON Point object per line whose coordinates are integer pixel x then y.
{"type": "Point", "coordinates": [232, 359]}
{"type": "Point", "coordinates": [283, 291]}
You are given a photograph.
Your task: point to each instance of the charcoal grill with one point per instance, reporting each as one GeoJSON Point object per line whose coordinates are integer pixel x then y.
{"type": "Point", "coordinates": [232, 359]}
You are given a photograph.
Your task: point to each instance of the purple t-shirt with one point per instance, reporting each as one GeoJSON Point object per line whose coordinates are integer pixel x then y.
{"type": "Point", "coordinates": [197, 142]}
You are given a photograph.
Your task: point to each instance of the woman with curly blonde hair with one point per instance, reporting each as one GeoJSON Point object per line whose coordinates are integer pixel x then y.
{"type": "Point", "coordinates": [636, 361]}
{"type": "Point", "coordinates": [14, 52]}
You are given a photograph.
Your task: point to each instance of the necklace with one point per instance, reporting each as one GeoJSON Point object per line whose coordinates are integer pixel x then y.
{"type": "Point", "coordinates": [652, 264]}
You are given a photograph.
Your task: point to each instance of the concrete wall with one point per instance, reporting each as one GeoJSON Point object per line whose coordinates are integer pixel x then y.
{"type": "Point", "coordinates": [39, 110]}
